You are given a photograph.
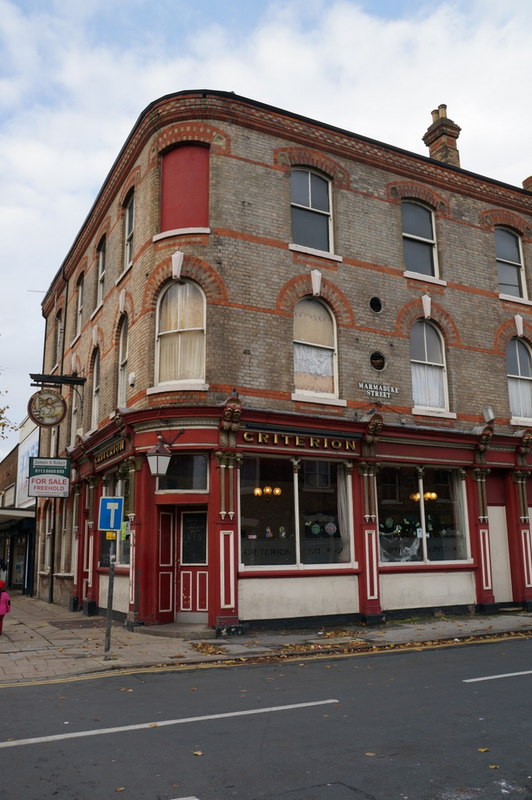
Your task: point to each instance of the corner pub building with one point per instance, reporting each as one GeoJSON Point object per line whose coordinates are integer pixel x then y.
{"type": "Point", "coordinates": [331, 338]}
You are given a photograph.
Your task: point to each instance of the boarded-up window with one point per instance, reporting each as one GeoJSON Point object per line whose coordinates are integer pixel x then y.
{"type": "Point", "coordinates": [185, 188]}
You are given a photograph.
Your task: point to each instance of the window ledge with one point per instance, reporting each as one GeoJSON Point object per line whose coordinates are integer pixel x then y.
{"type": "Point", "coordinates": [178, 232]}
{"type": "Point", "coordinates": [179, 386]}
{"type": "Point", "coordinates": [433, 412]}
{"type": "Point", "coordinates": [98, 307]}
{"type": "Point", "coordinates": [418, 276]}
{"type": "Point", "coordinates": [123, 274]}
{"type": "Point", "coordinates": [298, 248]}
{"type": "Point", "coordinates": [312, 398]}
{"type": "Point", "coordinates": [75, 339]}
{"type": "Point", "coordinates": [510, 298]}
{"type": "Point", "coordinates": [523, 421]}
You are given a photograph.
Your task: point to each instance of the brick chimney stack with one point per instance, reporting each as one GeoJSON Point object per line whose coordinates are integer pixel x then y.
{"type": "Point", "coordinates": [441, 137]}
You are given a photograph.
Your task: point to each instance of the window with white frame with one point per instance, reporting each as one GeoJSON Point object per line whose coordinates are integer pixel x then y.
{"type": "Point", "coordinates": [180, 348]}
{"type": "Point", "coordinates": [294, 513]}
{"type": "Point", "coordinates": [429, 380]}
{"type": "Point", "coordinates": [100, 285]}
{"type": "Point", "coordinates": [314, 348]}
{"type": "Point", "coordinates": [63, 563]}
{"type": "Point", "coordinates": [419, 242]}
{"type": "Point", "coordinates": [425, 520]}
{"type": "Point", "coordinates": [79, 306]}
{"type": "Point", "coordinates": [95, 404]}
{"type": "Point", "coordinates": [74, 419]}
{"type": "Point", "coordinates": [122, 363]}
{"type": "Point", "coordinates": [509, 263]}
{"type": "Point", "coordinates": [519, 366]}
{"type": "Point", "coordinates": [129, 222]}
{"type": "Point", "coordinates": [310, 210]}
{"type": "Point", "coordinates": [58, 339]}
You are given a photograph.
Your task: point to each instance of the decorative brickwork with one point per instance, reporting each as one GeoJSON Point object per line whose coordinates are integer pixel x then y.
{"type": "Point", "coordinates": [406, 189]}
{"type": "Point", "coordinates": [413, 311]}
{"type": "Point", "coordinates": [305, 157]}
{"type": "Point", "coordinates": [192, 132]}
{"type": "Point", "coordinates": [501, 217]}
{"type": "Point", "coordinates": [301, 286]}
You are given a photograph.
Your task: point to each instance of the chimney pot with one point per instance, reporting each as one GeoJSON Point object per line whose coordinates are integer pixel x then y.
{"type": "Point", "coordinates": [441, 137]}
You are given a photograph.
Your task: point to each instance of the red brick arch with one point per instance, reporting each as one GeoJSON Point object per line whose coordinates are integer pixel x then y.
{"type": "Point", "coordinates": [413, 311]}
{"type": "Point", "coordinates": [194, 268]}
{"type": "Point", "coordinates": [191, 132]}
{"type": "Point", "coordinates": [507, 331]}
{"type": "Point", "coordinates": [306, 157]}
{"type": "Point", "coordinates": [404, 190]}
{"type": "Point", "coordinates": [301, 286]}
{"type": "Point", "coordinates": [507, 218]}
{"type": "Point", "coordinates": [130, 183]}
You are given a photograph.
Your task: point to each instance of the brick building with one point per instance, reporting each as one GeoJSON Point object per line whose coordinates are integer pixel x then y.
{"type": "Point", "coordinates": [331, 337]}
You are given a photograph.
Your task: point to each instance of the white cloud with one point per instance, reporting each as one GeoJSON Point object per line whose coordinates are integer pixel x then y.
{"type": "Point", "coordinates": [77, 75]}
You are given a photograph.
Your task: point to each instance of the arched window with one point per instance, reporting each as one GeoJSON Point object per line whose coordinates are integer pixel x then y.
{"type": "Point", "coordinates": [79, 307]}
{"type": "Point", "coordinates": [311, 210]}
{"type": "Point", "coordinates": [509, 263]}
{"type": "Point", "coordinates": [185, 188]}
{"type": "Point", "coordinates": [58, 339]}
{"type": "Point", "coordinates": [419, 243]}
{"type": "Point", "coordinates": [429, 383]}
{"type": "Point", "coordinates": [95, 404]}
{"type": "Point", "coordinates": [121, 397]}
{"type": "Point", "coordinates": [519, 366]}
{"type": "Point", "coordinates": [181, 334]}
{"type": "Point", "coordinates": [314, 348]}
{"type": "Point", "coordinates": [100, 285]}
{"type": "Point", "coordinates": [129, 224]}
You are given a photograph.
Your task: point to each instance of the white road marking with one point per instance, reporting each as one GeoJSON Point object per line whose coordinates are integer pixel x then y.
{"type": "Point", "coordinates": [496, 677]}
{"type": "Point", "coordinates": [145, 725]}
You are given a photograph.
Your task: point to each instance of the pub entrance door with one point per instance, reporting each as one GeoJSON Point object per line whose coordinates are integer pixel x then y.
{"type": "Point", "coordinates": [182, 565]}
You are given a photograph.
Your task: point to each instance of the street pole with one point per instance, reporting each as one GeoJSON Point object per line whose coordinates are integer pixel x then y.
{"type": "Point", "coordinates": [109, 618]}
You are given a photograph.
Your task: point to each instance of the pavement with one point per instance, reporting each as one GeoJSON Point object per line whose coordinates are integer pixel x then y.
{"type": "Point", "coordinates": [42, 641]}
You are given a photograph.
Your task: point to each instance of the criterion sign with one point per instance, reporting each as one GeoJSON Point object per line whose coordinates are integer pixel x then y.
{"type": "Point", "coordinates": [111, 513]}
{"type": "Point", "coordinates": [49, 477]}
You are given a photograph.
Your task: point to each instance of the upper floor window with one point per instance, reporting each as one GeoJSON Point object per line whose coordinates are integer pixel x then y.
{"type": "Point", "coordinates": [100, 285]}
{"type": "Point", "coordinates": [74, 421]}
{"type": "Point", "coordinates": [95, 406]}
{"type": "Point", "coordinates": [519, 366]}
{"type": "Point", "coordinates": [58, 339]}
{"type": "Point", "coordinates": [185, 188]}
{"type": "Point", "coordinates": [129, 222]}
{"type": "Point", "coordinates": [429, 383]}
{"type": "Point", "coordinates": [311, 210]}
{"type": "Point", "coordinates": [509, 263]}
{"type": "Point", "coordinates": [419, 243]}
{"type": "Point", "coordinates": [122, 364]}
{"type": "Point", "coordinates": [314, 348]}
{"type": "Point", "coordinates": [181, 334]}
{"type": "Point", "coordinates": [79, 306]}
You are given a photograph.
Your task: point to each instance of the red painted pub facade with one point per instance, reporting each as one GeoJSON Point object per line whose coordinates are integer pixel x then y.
{"type": "Point", "coordinates": [329, 338]}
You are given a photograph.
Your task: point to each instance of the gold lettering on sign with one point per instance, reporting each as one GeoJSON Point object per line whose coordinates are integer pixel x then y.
{"type": "Point", "coordinates": [110, 452]}
{"type": "Point", "coordinates": [299, 440]}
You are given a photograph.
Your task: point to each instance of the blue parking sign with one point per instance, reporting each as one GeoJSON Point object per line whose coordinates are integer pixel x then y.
{"type": "Point", "coordinates": [111, 513]}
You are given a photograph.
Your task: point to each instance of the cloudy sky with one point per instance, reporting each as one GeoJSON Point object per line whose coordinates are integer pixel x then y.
{"type": "Point", "coordinates": [76, 74]}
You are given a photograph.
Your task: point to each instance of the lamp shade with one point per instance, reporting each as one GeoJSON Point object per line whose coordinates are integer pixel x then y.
{"type": "Point", "coordinates": [159, 458]}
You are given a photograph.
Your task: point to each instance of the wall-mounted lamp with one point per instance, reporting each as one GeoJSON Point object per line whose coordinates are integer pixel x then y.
{"type": "Point", "coordinates": [267, 492]}
{"type": "Point", "coordinates": [159, 457]}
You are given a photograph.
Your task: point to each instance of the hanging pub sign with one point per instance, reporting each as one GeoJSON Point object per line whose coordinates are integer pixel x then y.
{"type": "Point", "coordinates": [49, 477]}
{"type": "Point", "coordinates": [47, 408]}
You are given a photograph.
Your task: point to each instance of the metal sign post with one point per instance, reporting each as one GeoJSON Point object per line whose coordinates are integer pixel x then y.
{"type": "Point", "coordinates": [110, 518]}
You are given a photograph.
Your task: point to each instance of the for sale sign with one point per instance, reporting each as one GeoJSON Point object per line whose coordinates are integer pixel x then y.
{"type": "Point", "coordinates": [49, 477]}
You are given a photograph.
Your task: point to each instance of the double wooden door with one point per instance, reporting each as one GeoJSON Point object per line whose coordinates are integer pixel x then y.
{"type": "Point", "coordinates": [182, 565]}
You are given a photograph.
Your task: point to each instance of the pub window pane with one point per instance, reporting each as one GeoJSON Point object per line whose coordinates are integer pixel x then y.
{"type": "Point", "coordinates": [187, 472]}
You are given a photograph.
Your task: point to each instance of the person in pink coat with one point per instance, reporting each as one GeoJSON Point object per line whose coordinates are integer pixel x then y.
{"type": "Point", "coordinates": [5, 603]}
